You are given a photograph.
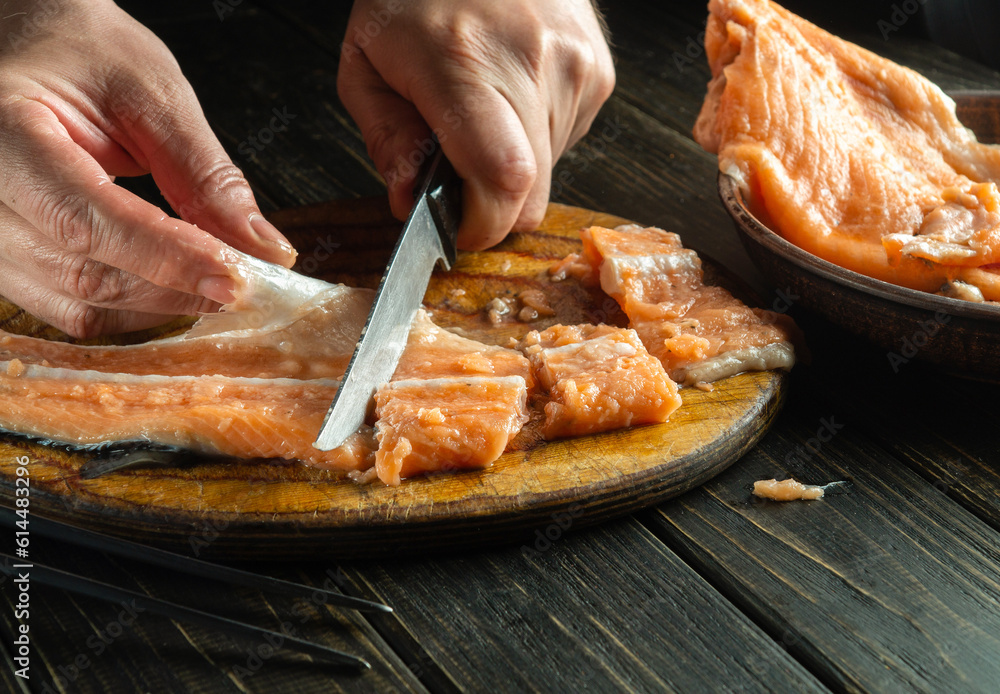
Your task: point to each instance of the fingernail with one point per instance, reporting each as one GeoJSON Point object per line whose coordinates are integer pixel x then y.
{"type": "Point", "coordinates": [218, 288]}
{"type": "Point", "coordinates": [270, 235]}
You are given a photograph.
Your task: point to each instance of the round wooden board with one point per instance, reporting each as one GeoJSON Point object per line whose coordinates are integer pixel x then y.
{"type": "Point", "coordinates": [531, 495]}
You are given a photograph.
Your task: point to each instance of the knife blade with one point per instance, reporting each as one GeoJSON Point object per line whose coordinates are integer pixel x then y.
{"type": "Point", "coordinates": [429, 236]}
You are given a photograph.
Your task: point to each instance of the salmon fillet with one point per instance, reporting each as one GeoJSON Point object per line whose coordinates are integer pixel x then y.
{"type": "Point", "coordinates": [452, 403]}
{"type": "Point", "coordinates": [239, 417]}
{"type": "Point", "coordinates": [318, 344]}
{"type": "Point", "coordinates": [256, 381]}
{"type": "Point", "coordinates": [433, 352]}
{"type": "Point", "coordinates": [850, 156]}
{"type": "Point", "coordinates": [446, 424]}
{"type": "Point", "coordinates": [253, 381]}
{"type": "Point", "coordinates": [701, 333]}
{"type": "Point", "coordinates": [597, 378]}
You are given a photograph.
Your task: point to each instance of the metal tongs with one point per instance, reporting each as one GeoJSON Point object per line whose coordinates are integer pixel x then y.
{"type": "Point", "coordinates": [83, 585]}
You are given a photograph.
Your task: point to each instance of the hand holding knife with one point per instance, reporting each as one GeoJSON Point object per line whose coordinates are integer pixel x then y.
{"type": "Point", "coordinates": [429, 236]}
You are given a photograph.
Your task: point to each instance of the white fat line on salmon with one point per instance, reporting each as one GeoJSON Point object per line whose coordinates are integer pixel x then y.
{"type": "Point", "coordinates": [35, 371]}
{"type": "Point", "coordinates": [616, 268]}
{"type": "Point", "coordinates": [596, 347]}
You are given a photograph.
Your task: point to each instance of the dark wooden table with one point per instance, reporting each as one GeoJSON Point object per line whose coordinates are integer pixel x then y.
{"type": "Point", "coordinates": [893, 584]}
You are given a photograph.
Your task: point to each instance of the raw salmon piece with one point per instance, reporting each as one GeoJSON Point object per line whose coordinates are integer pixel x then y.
{"type": "Point", "coordinates": [452, 403]}
{"type": "Point", "coordinates": [647, 270]}
{"type": "Point", "coordinates": [239, 417]}
{"type": "Point", "coordinates": [701, 333]}
{"type": "Point", "coordinates": [850, 156]}
{"type": "Point", "coordinates": [598, 378]}
{"type": "Point", "coordinates": [445, 424]}
{"type": "Point", "coordinates": [433, 352]}
{"type": "Point", "coordinates": [786, 490]}
{"type": "Point", "coordinates": [254, 381]}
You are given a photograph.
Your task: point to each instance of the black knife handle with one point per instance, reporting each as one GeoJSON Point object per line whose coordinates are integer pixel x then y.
{"type": "Point", "coordinates": [443, 189]}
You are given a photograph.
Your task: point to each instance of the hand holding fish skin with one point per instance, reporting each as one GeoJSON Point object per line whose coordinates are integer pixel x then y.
{"type": "Point", "coordinates": [506, 87]}
{"type": "Point", "coordinates": [86, 95]}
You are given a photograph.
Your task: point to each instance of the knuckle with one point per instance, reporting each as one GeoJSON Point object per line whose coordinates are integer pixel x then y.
{"type": "Point", "coordinates": [221, 176]}
{"type": "Point", "coordinates": [93, 282]}
{"type": "Point", "coordinates": [514, 174]}
{"type": "Point", "coordinates": [379, 139]}
{"type": "Point", "coordinates": [216, 180]}
{"type": "Point", "coordinates": [69, 221]}
{"type": "Point", "coordinates": [592, 69]}
{"type": "Point", "coordinates": [465, 42]}
{"type": "Point", "coordinates": [605, 78]}
{"type": "Point", "coordinates": [141, 100]}
{"type": "Point", "coordinates": [82, 321]}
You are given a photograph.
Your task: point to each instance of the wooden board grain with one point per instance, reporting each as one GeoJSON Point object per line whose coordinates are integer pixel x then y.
{"type": "Point", "coordinates": [254, 509]}
{"type": "Point", "coordinates": [606, 610]}
{"type": "Point", "coordinates": [884, 585]}
{"type": "Point", "coordinates": [84, 645]}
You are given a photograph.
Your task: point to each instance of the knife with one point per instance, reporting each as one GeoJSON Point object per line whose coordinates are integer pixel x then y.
{"type": "Point", "coordinates": [428, 236]}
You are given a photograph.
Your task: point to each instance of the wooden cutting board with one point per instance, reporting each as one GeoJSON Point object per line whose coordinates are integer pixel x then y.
{"type": "Point", "coordinates": [532, 495]}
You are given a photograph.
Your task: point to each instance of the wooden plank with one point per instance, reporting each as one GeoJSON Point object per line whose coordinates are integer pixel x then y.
{"type": "Point", "coordinates": [955, 448]}
{"type": "Point", "coordinates": [10, 682]}
{"type": "Point", "coordinates": [602, 610]}
{"type": "Point", "coordinates": [886, 585]}
{"type": "Point", "coordinates": [85, 645]}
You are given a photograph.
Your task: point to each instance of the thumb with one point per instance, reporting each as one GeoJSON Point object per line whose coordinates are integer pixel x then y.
{"type": "Point", "coordinates": [393, 130]}
{"type": "Point", "coordinates": [200, 181]}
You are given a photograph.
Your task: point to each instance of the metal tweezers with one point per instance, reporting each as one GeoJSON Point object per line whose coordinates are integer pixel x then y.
{"type": "Point", "coordinates": [65, 580]}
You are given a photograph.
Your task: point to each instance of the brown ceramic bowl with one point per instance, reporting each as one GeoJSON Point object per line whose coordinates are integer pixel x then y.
{"type": "Point", "coordinates": [960, 336]}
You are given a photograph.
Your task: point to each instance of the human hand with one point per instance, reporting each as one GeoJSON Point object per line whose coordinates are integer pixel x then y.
{"type": "Point", "coordinates": [89, 95]}
{"type": "Point", "coordinates": [506, 87]}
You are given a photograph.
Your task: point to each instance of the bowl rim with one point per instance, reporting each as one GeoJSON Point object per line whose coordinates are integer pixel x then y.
{"type": "Point", "coordinates": [732, 199]}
